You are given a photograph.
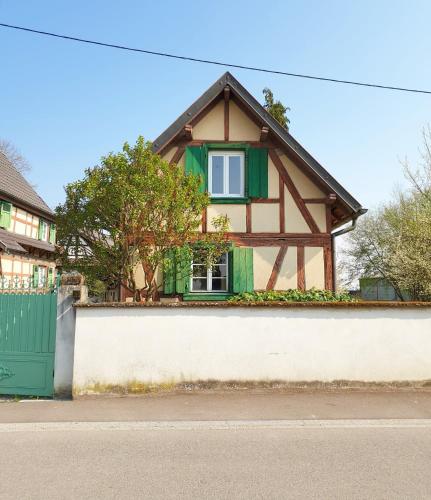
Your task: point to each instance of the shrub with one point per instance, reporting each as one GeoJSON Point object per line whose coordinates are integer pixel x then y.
{"type": "Point", "coordinates": [312, 295]}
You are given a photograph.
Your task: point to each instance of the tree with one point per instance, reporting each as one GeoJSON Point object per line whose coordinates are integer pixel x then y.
{"type": "Point", "coordinates": [134, 208]}
{"type": "Point", "coordinates": [394, 242]}
{"type": "Point", "coordinates": [276, 108]}
{"type": "Point", "coordinates": [14, 156]}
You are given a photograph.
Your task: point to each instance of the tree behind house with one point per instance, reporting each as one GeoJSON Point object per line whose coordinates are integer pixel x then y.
{"type": "Point", "coordinates": [276, 108]}
{"type": "Point", "coordinates": [130, 210]}
{"type": "Point", "coordinates": [394, 242]}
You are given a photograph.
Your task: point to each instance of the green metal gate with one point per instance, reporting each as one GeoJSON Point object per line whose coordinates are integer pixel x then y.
{"type": "Point", "coordinates": [27, 340]}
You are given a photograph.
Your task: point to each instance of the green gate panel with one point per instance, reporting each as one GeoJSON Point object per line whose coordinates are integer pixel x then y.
{"type": "Point", "coordinates": [27, 342]}
{"type": "Point", "coordinates": [26, 374]}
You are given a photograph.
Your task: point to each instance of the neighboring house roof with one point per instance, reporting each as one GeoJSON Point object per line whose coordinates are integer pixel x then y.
{"type": "Point", "coordinates": [16, 242]}
{"type": "Point", "coordinates": [280, 132]}
{"type": "Point", "coordinates": [14, 185]}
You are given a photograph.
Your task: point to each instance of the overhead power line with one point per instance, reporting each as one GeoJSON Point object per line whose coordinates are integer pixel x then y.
{"type": "Point", "coordinates": [217, 63]}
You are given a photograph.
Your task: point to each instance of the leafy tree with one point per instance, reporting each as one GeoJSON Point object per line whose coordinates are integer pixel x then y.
{"type": "Point", "coordinates": [133, 209]}
{"type": "Point", "coordinates": [276, 108]}
{"type": "Point", "coordinates": [394, 242]}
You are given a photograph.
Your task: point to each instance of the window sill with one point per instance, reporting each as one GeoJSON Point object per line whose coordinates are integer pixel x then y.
{"type": "Point", "coordinates": [229, 201]}
{"type": "Point", "coordinates": [195, 296]}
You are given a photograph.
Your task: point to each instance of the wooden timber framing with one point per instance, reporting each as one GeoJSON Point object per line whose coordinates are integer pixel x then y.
{"type": "Point", "coordinates": [281, 206]}
{"type": "Point", "coordinates": [177, 155]}
{"type": "Point", "coordinates": [248, 224]}
{"type": "Point", "coordinates": [265, 200]}
{"type": "Point", "coordinates": [293, 191]}
{"type": "Point", "coordinates": [226, 94]}
{"type": "Point", "coordinates": [204, 220]}
{"type": "Point", "coordinates": [328, 263]}
{"type": "Point", "coordinates": [300, 268]}
{"type": "Point", "coordinates": [277, 267]}
{"type": "Point", "coordinates": [264, 134]}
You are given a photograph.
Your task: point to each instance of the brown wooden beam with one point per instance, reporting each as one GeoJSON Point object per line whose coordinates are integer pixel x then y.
{"type": "Point", "coordinates": [281, 207]}
{"type": "Point", "coordinates": [248, 217]}
{"type": "Point", "coordinates": [328, 213]}
{"type": "Point", "coordinates": [264, 134]}
{"type": "Point", "coordinates": [188, 132]}
{"type": "Point", "coordinates": [293, 191]}
{"type": "Point", "coordinates": [265, 200]}
{"type": "Point", "coordinates": [327, 256]}
{"type": "Point", "coordinates": [204, 220]}
{"type": "Point", "coordinates": [276, 269]}
{"type": "Point", "coordinates": [329, 200]}
{"type": "Point", "coordinates": [300, 265]}
{"type": "Point", "coordinates": [177, 155]}
{"type": "Point", "coordinates": [226, 94]}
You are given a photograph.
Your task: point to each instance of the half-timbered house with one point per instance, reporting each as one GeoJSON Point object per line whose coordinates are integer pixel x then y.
{"type": "Point", "coordinates": [27, 232]}
{"type": "Point", "coordinates": [281, 203]}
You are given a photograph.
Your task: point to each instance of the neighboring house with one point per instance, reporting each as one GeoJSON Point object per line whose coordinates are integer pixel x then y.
{"type": "Point", "coordinates": [282, 204]}
{"type": "Point", "coordinates": [379, 289]}
{"type": "Point", "coordinates": [27, 232]}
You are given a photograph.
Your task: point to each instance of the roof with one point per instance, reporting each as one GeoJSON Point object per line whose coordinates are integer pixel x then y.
{"type": "Point", "coordinates": [16, 242]}
{"type": "Point", "coordinates": [280, 132]}
{"type": "Point", "coordinates": [14, 185]}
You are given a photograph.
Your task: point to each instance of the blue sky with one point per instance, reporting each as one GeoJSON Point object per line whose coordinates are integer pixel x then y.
{"type": "Point", "coordinates": [65, 104]}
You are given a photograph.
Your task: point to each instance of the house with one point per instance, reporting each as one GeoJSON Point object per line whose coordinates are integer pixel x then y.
{"type": "Point", "coordinates": [27, 232]}
{"type": "Point", "coordinates": [379, 289]}
{"type": "Point", "coordinates": [281, 203]}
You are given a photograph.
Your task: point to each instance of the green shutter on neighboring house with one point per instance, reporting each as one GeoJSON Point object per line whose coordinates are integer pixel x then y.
{"type": "Point", "coordinates": [5, 214]}
{"type": "Point", "coordinates": [35, 276]}
{"type": "Point", "coordinates": [196, 164]}
{"type": "Point", "coordinates": [42, 225]}
{"type": "Point", "coordinates": [242, 270]}
{"type": "Point", "coordinates": [169, 275]}
{"type": "Point", "coordinates": [257, 173]}
{"type": "Point", "coordinates": [52, 233]}
{"type": "Point", "coordinates": [50, 277]}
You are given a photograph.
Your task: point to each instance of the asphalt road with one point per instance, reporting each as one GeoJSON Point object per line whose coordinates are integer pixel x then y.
{"type": "Point", "coordinates": [221, 460]}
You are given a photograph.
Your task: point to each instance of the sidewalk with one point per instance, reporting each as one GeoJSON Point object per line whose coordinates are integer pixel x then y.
{"type": "Point", "coordinates": [230, 405]}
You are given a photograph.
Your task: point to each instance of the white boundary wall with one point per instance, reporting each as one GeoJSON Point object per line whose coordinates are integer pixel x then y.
{"type": "Point", "coordinates": [168, 344]}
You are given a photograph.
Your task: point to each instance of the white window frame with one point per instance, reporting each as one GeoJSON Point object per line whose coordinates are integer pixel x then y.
{"type": "Point", "coordinates": [209, 278]}
{"type": "Point", "coordinates": [226, 155]}
{"type": "Point", "coordinates": [42, 276]}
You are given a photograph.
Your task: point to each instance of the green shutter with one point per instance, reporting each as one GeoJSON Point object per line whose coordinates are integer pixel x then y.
{"type": "Point", "coordinates": [50, 277]}
{"type": "Point", "coordinates": [41, 228]}
{"type": "Point", "coordinates": [196, 164]}
{"type": "Point", "coordinates": [5, 214]}
{"type": "Point", "coordinates": [169, 275]}
{"type": "Point", "coordinates": [257, 173]}
{"type": "Point", "coordinates": [182, 269]}
{"type": "Point", "coordinates": [35, 276]}
{"type": "Point", "coordinates": [52, 233]}
{"type": "Point", "coordinates": [242, 270]}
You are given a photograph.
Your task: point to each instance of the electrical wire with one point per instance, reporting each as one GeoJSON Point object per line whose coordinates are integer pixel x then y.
{"type": "Point", "coordinates": [217, 63]}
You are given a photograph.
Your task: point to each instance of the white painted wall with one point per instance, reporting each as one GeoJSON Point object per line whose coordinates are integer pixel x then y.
{"type": "Point", "coordinates": [155, 345]}
{"type": "Point", "coordinates": [64, 343]}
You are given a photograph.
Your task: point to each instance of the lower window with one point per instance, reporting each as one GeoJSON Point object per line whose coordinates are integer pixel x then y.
{"type": "Point", "coordinates": [210, 279]}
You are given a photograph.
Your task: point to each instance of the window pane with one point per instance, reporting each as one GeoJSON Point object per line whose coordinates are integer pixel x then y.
{"type": "Point", "coordinates": [223, 259]}
{"type": "Point", "coordinates": [219, 271]}
{"type": "Point", "coordinates": [199, 284]}
{"type": "Point", "coordinates": [219, 284]}
{"type": "Point", "coordinates": [217, 175]}
{"type": "Point", "coordinates": [234, 175]}
{"type": "Point", "coordinates": [199, 271]}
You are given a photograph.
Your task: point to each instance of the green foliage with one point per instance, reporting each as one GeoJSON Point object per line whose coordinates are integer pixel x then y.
{"type": "Point", "coordinates": [312, 295]}
{"type": "Point", "coordinates": [128, 211]}
{"type": "Point", "coordinates": [276, 108]}
{"type": "Point", "coordinates": [394, 241]}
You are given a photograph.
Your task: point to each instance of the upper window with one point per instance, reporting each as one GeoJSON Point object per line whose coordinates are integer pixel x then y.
{"type": "Point", "coordinates": [210, 279]}
{"type": "Point", "coordinates": [226, 174]}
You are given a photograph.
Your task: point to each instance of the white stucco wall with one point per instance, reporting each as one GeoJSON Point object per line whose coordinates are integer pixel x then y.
{"type": "Point", "coordinates": [64, 343]}
{"type": "Point", "coordinates": [156, 345]}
